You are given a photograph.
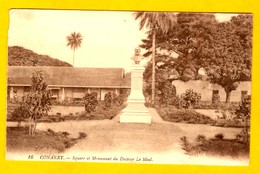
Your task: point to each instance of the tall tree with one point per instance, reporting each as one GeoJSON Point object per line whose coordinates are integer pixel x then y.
{"type": "Point", "coordinates": [223, 49]}
{"type": "Point", "coordinates": [37, 102]}
{"type": "Point", "coordinates": [74, 41]}
{"type": "Point", "coordinates": [185, 39]}
{"type": "Point", "coordinates": [231, 53]}
{"type": "Point", "coordinates": [189, 37]}
{"type": "Point", "coordinates": [155, 22]}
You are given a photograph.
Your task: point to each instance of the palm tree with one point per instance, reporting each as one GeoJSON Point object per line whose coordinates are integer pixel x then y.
{"type": "Point", "coordinates": [155, 21]}
{"type": "Point", "coordinates": [74, 41]}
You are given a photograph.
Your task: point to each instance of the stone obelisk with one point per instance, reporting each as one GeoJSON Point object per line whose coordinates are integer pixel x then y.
{"type": "Point", "coordinates": [136, 112]}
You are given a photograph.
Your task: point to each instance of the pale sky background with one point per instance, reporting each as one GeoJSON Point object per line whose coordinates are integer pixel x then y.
{"type": "Point", "coordinates": [109, 38]}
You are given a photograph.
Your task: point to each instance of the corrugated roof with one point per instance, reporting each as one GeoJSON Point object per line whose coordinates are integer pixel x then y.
{"type": "Point", "coordinates": [70, 76]}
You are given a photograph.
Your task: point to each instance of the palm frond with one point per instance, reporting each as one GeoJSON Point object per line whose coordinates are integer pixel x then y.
{"type": "Point", "coordinates": [153, 20]}
{"type": "Point", "coordinates": [74, 40]}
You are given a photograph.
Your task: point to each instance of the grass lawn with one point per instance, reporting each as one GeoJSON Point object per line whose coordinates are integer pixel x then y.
{"type": "Point", "coordinates": [18, 140]}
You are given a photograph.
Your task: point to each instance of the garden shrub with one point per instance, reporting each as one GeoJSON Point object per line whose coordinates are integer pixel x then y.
{"type": "Point", "coordinates": [119, 99]}
{"type": "Point", "coordinates": [50, 131]}
{"type": "Point", "coordinates": [243, 112]}
{"type": "Point", "coordinates": [219, 136]}
{"type": "Point", "coordinates": [19, 114]}
{"type": "Point", "coordinates": [54, 118]}
{"type": "Point", "coordinates": [185, 144]}
{"type": "Point", "coordinates": [215, 101]}
{"type": "Point", "coordinates": [108, 100]}
{"type": "Point", "coordinates": [218, 146]}
{"type": "Point", "coordinates": [65, 133]}
{"type": "Point", "coordinates": [184, 116]}
{"type": "Point", "coordinates": [114, 98]}
{"type": "Point", "coordinates": [190, 148]}
{"type": "Point", "coordinates": [82, 135]}
{"type": "Point", "coordinates": [99, 113]}
{"type": "Point", "coordinates": [201, 139]}
{"type": "Point", "coordinates": [91, 101]}
{"type": "Point", "coordinates": [165, 94]}
{"type": "Point", "coordinates": [243, 136]}
{"type": "Point", "coordinates": [190, 99]}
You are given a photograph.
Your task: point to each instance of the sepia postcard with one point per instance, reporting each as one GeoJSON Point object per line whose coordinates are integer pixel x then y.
{"type": "Point", "coordinates": [129, 87]}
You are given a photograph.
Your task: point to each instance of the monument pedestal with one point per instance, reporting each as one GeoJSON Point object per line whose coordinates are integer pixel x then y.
{"type": "Point", "coordinates": [136, 112]}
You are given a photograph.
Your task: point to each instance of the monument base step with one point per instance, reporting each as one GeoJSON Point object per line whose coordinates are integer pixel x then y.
{"type": "Point", "coordinates": [130, 118]}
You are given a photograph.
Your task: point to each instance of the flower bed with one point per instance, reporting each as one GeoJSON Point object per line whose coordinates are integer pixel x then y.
{"type": "Point", "coordinates": [184, 116]}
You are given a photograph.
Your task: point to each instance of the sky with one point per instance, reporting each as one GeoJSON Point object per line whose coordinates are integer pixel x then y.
{"type": "Point", "coordinates": [109, 38]}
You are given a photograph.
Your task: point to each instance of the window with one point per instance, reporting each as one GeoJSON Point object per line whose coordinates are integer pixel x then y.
{"type": "Point", "coordinates": [215, 92]}
{"type": "Point", "coordinates": [78, 93]}
{"type": "Point", "coordinates": [26, 88]}
{"type": "Point", "coordinates": [55, 93]}
{"type": "Point", "coordinates": [215, 97]}
{"type": "Point", "coordinates": [243, 95]}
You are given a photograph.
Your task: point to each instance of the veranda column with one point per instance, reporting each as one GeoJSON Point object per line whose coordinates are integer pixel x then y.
{"type": "Point", "coordinates": [136, 112]}
{"type": "Point", "coordinates": [11, 93]}
{"type": "Point", "coordinates": [62, 94]}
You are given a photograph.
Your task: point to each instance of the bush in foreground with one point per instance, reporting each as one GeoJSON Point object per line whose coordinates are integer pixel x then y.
{"type": "Point", "coordinates": [217, 146]}
{"type": "Point", "coordinates": [17, 139]}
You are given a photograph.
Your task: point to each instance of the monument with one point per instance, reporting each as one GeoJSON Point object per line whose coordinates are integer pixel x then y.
{"type": "Point", "coordinates": [136, 112]}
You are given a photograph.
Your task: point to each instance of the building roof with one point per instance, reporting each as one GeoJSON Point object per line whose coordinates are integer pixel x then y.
{"type": "Point", "coordinates": [70, 76]}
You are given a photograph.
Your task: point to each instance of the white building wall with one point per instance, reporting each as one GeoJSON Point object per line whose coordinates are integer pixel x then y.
{"type": "Point", "coordinates": [243, 86]}
{"type": "Point", "coordinates": [205, 88]}
{"type": "Point", "coordinates": [78, 93]}
{"type": "Point", "coordinates": [19, 92]}
{"type": "Point", "coordinates": [68, 93]}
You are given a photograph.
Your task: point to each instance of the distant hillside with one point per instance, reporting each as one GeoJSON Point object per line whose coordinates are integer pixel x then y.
{"type": "Point", "coordinates": [19, 56]}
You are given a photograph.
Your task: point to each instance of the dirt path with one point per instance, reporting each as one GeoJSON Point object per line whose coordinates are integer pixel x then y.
{"type": "Point", "coordinates": [159, 140]}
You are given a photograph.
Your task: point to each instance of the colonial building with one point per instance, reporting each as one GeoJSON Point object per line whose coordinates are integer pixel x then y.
{"type": "Point", "coordinates": [207, 89]}
{"type": "Point", "coordinates": [68, 82]}
{"type": "Point", "coordinates": [72, 83]}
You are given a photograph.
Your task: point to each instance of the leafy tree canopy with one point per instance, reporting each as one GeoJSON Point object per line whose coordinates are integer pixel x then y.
{"type": "Point", "coordinates": [230, 53]}
{"type": "Point", "coordinates": [222, 49]}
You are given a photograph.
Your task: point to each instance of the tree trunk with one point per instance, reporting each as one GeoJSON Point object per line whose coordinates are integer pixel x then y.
{"type": "Point", "coordinates": [32, 127]}
{"type": "Point", "coordinates": [247, 132]}
{"type": "Point", "coordinates": [228, 94]}
{"type": "Point", "coordinates": [73, 56]}
{"type": "Point", "coordinates": [153, 69]}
